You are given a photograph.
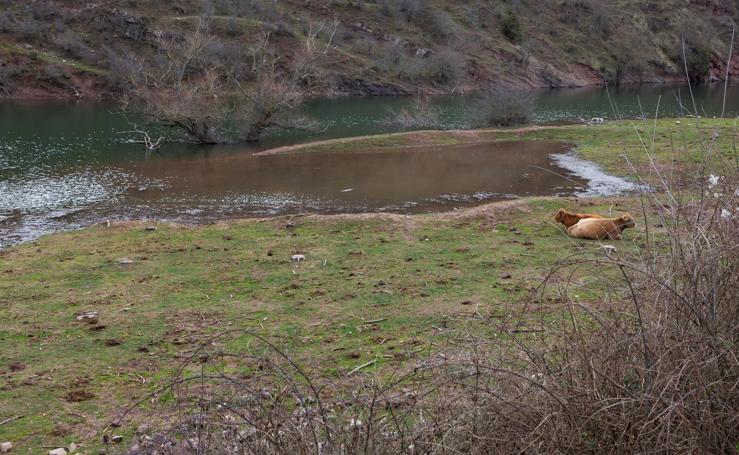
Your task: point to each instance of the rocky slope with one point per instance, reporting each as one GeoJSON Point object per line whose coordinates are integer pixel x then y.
{"type": "Point", "coordinates": [67, 48]}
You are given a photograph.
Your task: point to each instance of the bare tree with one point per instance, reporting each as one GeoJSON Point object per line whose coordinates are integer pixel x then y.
{"type": "Point", "coordinates": [211, 103]}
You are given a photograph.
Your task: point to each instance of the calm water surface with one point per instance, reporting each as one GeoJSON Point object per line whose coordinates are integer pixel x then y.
{"type": "Point", "coordinates": [64, 166]}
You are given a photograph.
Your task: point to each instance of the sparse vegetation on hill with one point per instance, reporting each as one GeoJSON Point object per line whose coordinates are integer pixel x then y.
{"type": "Point", "coordinates": [69, 48]}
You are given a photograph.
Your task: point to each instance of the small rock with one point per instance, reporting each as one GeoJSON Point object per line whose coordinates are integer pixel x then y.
{"type": "Point", "coordinates": [506, 276]}
{"type": "Point", "coordinates": [117, 439]}
{"type": "Point", "coordinates": [608, 249]}
{"type": "Point", "coordinates": [298, 257]}
{"type": "Point", "coordinates": [424, 52]}
{"type": "Point", "coordinates": [91, 317]}
{"type": "Point", "coordinates": [467, 302]}
{"type": "Point", "coordinates": [59, 451]}
{"type": "Point", "coordinates": [150, 228]}
{"type": "Point", "coordinates": [72, 447]}
{"type": "Point", "coordinates": [6, 447]}
{"type": "Point", "coordinates": [125, 261]}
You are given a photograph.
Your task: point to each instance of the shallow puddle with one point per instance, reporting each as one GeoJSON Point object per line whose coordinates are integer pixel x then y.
{"type": "Point", "coordinates": [203, 186]}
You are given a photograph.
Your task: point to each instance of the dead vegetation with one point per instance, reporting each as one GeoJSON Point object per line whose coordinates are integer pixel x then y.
{"type": "Point", "coordinates": [210, 101]}
{"type": "Point", "coordinates": [648, 365]}
{"type": "Point", "coordinates": [386, 46]}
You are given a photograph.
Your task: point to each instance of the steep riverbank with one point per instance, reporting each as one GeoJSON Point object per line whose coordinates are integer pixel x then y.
{"type": "Point", "coordinates": [64, 49]}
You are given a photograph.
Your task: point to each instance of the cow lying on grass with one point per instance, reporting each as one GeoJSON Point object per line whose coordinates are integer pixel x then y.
{"type": "Point", "coordinates": [600, 228]}
{"type": "Point", "coordinates": [570, 219]}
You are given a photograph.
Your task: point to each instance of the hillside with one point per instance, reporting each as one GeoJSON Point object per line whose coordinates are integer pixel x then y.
{"type": "Point", "coordinates": [67, 48]}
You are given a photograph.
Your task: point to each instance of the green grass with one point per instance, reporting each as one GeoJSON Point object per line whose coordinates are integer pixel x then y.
{"type": "Point", "coordinates": [410, 274]}
{"type": "Point", "coordinates": [186, 284]}
{"type": "Point", "coordinates": [50, 57]}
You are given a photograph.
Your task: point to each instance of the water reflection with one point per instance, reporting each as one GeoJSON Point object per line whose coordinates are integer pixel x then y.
{"type": "Point", "coordinates": [66, 165]}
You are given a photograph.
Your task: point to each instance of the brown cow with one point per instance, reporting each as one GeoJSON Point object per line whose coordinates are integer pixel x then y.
{"type": "Point", "coordinates": [599, 229]}
{"type": "Point", "coordinates": [570, 219]}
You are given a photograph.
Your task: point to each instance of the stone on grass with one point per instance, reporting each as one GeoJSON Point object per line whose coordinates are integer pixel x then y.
{"type": "Point", "coordinates": [117, 439]}
{"type": "Point", "coordinates": [91, 317]}
{"type": "Point", "coordinates": [59, 451]}
{"type": "Point", "coordinates": [6, 447]}
{"type": "Point", "coordinates": [608, 249]}
{"type": "Point", "coordinates": [298, 257]}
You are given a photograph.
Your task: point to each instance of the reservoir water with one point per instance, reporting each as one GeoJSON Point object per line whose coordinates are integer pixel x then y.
{"type": "Point", "coordinates": [67, 165]}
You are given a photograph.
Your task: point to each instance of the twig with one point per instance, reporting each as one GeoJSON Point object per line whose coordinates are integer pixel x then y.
{"type": "Point", "coordinates": [11, 419]}
{"type": "Point", "coordinates": [728, 64]}
{"type": "Point", "coordinates": [365, 365]}
{"type": "Point", "coordinates": [373, 321]}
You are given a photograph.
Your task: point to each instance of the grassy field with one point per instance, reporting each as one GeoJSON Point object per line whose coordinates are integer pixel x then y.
{"type": "Point", "coordinates": [374, 286]}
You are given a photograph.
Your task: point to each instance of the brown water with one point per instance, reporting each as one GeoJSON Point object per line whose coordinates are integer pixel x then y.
{"type": "Point", "coordinates": [220, 183]}
{"type": "Point", "coordinates": [64, 166]}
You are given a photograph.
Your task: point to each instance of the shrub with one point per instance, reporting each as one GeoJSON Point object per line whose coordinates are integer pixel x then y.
{"type": "Point", "coordinates": [45, 11]}
{"type": "Point", "coordinates": [411, 10]}
{"type": "Point", "coordinates": [388, 7]}
{"type": "Point", "coordinates": [73, 45]}
{"type": "Point", "coordinates": [6, 78]}
{"type": "Point", "coordinates": [511, 27]}
{"type": "Point", "coordinates": [445, 68]}
{"type": "Point", "coordinates": [497, 106]}
{"type": "Point", "coordinates": [54, 74]}
{"type": "Point", "coordinates": [31, 30]}
{"type": "Point", "coordinates": [698, 59]}
{"type": "Point", "coordinates": [390, 58]}
{"type": "Point", "coordinates": [124, 67]}
{"type": "Point", "coordinates": [443, 27]}
{"type": "Point", "coordinates": [6, 23]}
{"type": "Point", "coordinates": [420, 115]}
